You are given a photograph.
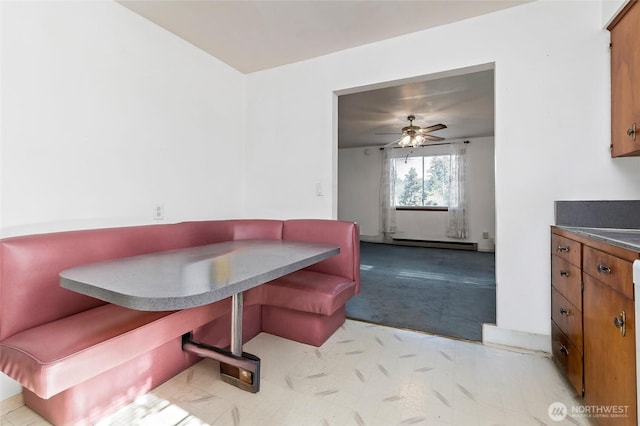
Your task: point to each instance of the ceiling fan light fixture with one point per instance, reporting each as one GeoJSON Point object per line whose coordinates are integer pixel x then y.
{"type": "Point", "coordinates": [411, 138]}
{"type": "Point", "coordinates": [415, 136]}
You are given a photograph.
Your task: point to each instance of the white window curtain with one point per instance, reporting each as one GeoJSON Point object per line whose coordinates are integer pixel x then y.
{"type": "Point", "coordinates": [388, 194]}
{"type": "Point", "coordinates": [458, 226]}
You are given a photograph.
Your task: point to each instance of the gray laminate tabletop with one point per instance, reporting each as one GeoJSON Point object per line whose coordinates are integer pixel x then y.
{"type": "Point", "coordinates": [194, 276]}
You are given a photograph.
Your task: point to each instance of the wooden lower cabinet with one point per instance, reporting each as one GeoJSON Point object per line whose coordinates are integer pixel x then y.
{"type": "Point", "coordinates": [609, 356]}
{"type": "Point", "coordinates": [593, 324]}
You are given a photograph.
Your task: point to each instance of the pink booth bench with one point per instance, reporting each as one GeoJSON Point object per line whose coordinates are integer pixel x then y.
{"type": "Point", "coordinates": [79, 358]}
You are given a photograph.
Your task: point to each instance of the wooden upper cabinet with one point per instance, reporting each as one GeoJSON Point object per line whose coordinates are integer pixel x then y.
{"type": "Point", "coordinates": [625, 82]}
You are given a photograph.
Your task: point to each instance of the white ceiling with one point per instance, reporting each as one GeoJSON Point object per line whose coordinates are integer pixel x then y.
{"type": "Point", "coordinates": [256, 35]}
{"type": "Point", "coordinates": [463, 101]}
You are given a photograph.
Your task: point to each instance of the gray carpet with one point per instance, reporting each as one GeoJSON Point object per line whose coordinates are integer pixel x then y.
{"type": "Point", "coordinates": [440, 291]}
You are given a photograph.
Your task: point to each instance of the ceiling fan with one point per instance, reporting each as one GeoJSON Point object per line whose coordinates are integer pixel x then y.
{"type": "Point", "coordinates": [415, 136]}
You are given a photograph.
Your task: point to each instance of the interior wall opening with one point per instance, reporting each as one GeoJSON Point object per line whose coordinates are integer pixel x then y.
{"type": "Point", "coordinates": [401, 148]}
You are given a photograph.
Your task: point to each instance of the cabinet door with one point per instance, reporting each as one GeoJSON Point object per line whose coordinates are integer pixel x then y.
{"type": "Point", "coordinates": [609, 357]}
{"type": "Point", "coordinates": [625, 83]}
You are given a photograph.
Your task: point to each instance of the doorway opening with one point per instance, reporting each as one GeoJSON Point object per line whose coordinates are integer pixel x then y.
{"type": "Point", "coordinates": [414, 274]}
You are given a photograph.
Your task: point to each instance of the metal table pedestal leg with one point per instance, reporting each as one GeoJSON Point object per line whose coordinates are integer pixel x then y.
{"type": "Point", "coordinates": [238, 368]}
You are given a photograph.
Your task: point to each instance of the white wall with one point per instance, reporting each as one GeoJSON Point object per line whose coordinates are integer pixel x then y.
{"type": "Point", "coordinates": [291, 145]}
{"type": "Point", "coordinates": [359, 172]}
{"type": "Point", "coordinates": [104, 114]}
{"type": "Point", "coordinates": [551, 139]}
{"type": "Point", "coordinates": [359, 179]}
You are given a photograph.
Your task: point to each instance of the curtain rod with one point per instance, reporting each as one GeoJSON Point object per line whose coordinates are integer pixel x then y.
{"type": "Point", "coordinates": [431, 144]}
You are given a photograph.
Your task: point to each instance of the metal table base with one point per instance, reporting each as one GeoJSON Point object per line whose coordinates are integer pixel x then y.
{"type": "Point", "coordinates": [238, 368]}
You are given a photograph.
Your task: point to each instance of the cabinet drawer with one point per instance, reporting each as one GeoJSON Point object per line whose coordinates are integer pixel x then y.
{"type": "Point", "coordinates": [567, 279]}
{"type": "Point", "coordinates": [567, 357]}
{"type": "Point", "coordinates": [610, 270]}
{"type": "Point", "coordinates": [566, 248]}
{"type": "Point", "coordinates": [567, 317]}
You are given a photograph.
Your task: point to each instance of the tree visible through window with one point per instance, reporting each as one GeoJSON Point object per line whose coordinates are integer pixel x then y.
{"type": "Point", "coordinates": [422, 181]}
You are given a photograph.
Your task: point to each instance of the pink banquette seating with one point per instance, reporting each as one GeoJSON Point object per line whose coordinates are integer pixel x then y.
{"type": "Point", "coordinates": [79, 358]}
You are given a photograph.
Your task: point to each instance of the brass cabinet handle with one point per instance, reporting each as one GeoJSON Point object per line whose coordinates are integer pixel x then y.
{"type": "Point", "coordinates": [621, 323]}
{"type": "Point", "coordinates": [562, 249]}
{"type": "Point", "coordinates": [632, 132]}
{"type": "Point", "coordinates": [564, 350]}
{"type": "Point", "coordinates": [603, 269]}
{"type": "Point", "coordinates": [565, 311]}
{"type": "Point", "coordinates": [564, 273]}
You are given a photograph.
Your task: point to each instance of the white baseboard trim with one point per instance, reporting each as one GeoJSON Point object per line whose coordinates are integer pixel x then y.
{"type": "Point", "coordinates": [493, 335]}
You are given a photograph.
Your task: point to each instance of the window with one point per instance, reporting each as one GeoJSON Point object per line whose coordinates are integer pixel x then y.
{"type": "Point", "coordinates": [422, 182]}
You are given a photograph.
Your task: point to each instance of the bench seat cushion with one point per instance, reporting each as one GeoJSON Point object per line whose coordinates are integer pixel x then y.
{"type": "Point", "coordinates": [307, 291]}
{"type": "Point", "coordinates": [58, 355]}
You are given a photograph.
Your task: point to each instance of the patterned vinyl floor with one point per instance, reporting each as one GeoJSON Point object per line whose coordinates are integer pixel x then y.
{"type": "Point", "coordinates": [363, 375]}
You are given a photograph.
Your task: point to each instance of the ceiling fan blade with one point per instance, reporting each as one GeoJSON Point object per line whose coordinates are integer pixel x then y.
{"type": "Point", "coordinates": [391, 143]}
{"type": "Point", "coordinates": [432, 138]}
{"type": "Point", "coordinates": [433, 128]}
{"type": "Point", "coordinates": [386, 133]}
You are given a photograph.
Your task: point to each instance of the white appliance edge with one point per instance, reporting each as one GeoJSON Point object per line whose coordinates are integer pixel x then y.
{"type": "Point", "coordinates": [636, 291]}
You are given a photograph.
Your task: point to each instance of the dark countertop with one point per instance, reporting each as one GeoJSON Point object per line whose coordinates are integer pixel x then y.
{"type": "Point", "coordinates": [625, 238]}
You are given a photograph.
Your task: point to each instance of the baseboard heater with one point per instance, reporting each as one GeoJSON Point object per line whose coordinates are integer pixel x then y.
{"type": "Point", "coordinates": [457, 245]}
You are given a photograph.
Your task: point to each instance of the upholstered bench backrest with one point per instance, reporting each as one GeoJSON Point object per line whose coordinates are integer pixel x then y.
{"type": "Point", "coordinates": [345, 234]}
{"type": "Point", "coordinates": [213, 231]}
{"type": "Point", "coordinates": [30, 292]}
